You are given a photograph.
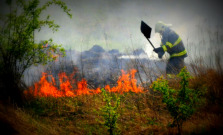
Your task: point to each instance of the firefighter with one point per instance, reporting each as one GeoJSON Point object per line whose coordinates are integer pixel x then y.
{"type": "Point", "coordinates": [171, 43]}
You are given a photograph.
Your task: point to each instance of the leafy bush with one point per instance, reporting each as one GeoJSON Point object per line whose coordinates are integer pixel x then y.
{"type": "Point", "coordinates": [18, 50]}
{"type": "Point", "coordinates": [180, 103]}
{"type": "Point", "coordinates": [110, 112]}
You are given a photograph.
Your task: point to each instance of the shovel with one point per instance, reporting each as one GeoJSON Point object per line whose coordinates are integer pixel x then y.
{"type": "Point", "coordinates": [146, 30]}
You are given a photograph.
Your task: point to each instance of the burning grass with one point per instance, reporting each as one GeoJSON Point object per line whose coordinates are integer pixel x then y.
{"type": "Point", "coordinates": [47, 86]}
{"type": "Point", "coordinates": [70, 107]}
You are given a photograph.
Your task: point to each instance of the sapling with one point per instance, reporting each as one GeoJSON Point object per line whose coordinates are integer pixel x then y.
{"type": "Point", "coordinates": [180, 103]}
{"type": "Point", "coordinates": [110, 112]}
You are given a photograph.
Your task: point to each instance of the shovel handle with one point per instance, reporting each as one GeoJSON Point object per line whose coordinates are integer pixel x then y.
{"type": "Point", "coordinates": [150, 43]}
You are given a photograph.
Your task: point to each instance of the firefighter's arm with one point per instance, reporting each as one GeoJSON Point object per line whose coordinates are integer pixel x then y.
{"type": "Point", "coordinates": [164, 41]}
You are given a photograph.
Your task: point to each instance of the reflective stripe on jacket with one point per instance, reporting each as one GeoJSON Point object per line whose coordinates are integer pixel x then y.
{"type": "Point", "coordinates": [172, 43]}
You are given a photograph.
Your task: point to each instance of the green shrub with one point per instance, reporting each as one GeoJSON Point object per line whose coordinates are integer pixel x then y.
{"type": "Point", "coordinates": [18, 49]}
{"type": "Point", "coordinates": [180, 103]}
{"type": "Point", "coordinates": [110, 112]}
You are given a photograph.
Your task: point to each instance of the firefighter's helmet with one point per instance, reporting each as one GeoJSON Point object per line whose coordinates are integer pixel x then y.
{"type": "Point", "coordinates": [159, 27]}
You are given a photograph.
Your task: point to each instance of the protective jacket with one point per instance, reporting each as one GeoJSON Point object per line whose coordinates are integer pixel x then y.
{"type": "Point", "coordinates": [172, 43]}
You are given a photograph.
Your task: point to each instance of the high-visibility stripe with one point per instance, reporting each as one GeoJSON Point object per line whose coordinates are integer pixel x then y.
{"type": "Point", "coordinates": [169, 44]}
{"type": "Point", "coordinates": [177, 42]}
{"type": "Point", "coordinates": [164, 48]}
{"type": "Point", "coordinates": [179, 54]}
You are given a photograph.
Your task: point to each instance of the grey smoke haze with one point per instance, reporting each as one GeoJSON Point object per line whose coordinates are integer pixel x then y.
{"type": "Point", "coordinates": [114, 24]}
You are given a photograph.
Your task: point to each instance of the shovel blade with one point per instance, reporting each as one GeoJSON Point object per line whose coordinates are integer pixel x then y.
{"type": "Point", "coordinates": [145, 29]}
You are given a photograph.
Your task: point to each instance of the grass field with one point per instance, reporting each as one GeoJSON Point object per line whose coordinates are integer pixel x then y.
{"type": "Point", "coordinates": [138, 113]}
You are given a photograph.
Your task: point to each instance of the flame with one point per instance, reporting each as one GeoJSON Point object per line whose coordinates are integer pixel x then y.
{"type": "Point", "coordinates": [46, 86]}
{"type": "Point", "coordinates": [126, 83]}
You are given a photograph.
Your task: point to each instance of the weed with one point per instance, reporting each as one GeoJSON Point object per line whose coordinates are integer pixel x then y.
{"type": "Point", "coordinates": [110, 113]}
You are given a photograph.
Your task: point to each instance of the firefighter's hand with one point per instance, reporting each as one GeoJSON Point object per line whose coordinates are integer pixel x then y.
{"type": "Point", "coordinates": [160, 54]}
{"type": "Point", "coordinates": [159, 51]}
{"type": "Point", "coordinates": [156, 50]}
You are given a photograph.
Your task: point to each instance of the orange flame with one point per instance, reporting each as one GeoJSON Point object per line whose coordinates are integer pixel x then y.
{"type": "Point", "coordinates": [126, 83]}
{"type": "Point", "coordinates": [47, 88]}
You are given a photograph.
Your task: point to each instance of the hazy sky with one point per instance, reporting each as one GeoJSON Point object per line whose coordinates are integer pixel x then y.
{"type": "Point", "coordinates": [116, 23]}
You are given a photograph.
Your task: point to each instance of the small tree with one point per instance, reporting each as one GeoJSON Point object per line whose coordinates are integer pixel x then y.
{"type": "Point", "coordinates": [110, 113]}
{"type": "Point", "coordinates": [18, 51]}
{"type": "Point", "coordinates": [180, 103]}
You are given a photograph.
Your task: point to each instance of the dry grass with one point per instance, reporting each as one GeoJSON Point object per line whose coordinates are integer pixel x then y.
{"type": "Point", "coordinates": [139, 113]}
{"type": "Point", "coordinates": [17, 121]}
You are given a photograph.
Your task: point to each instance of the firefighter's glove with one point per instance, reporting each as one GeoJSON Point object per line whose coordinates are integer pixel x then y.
{"type": "Point", "coordinates": [156, 50]}
{"type": "Point", "coordinates": [160, 54]}
{"type": "Point", "coordinates": [159, 51]}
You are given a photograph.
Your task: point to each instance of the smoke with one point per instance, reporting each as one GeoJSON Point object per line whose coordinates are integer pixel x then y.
{"type": "Point", "coordinates": [156, 41]}
{"type": "Point", "coordinates": [116, 25]}
{"type": "Point", "coordinates": [141, 56]}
